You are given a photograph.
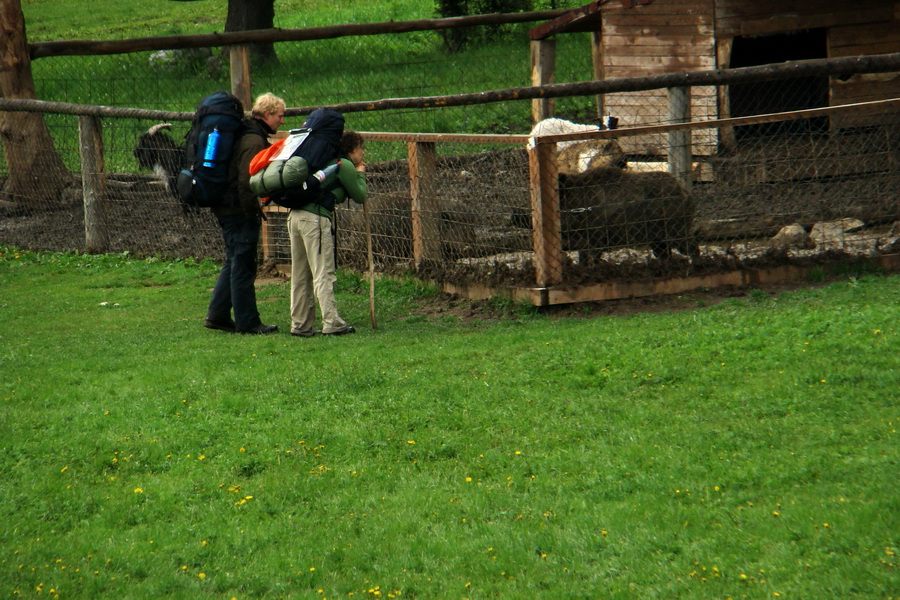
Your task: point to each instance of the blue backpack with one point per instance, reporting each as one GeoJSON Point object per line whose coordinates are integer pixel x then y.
{"type": "Point", "coordinates": [209, 146]}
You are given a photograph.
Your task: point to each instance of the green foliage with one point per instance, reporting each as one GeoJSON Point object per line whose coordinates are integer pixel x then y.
{"type": "Point", "coordinates": [457, 39]}
{"type": "Point", "coordinates": [461, 8]}
{"type": "Point", "coordinates": [740, 450]}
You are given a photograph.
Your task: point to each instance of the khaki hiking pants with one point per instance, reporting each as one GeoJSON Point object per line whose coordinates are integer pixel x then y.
{"type": "Point", "coordinates": [312, 273]}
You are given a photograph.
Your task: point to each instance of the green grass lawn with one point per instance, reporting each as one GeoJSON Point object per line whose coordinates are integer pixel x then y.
{"type": "Point", "coordinates": [743, 450]}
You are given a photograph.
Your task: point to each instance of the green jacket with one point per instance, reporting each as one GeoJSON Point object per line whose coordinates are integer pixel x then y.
{"type": "Point", "coordinates": [347, 182]}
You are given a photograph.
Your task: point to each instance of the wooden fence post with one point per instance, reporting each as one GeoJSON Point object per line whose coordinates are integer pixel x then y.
{"type": "Point", "coordinates": [545, 223]}
{"type": "Point", "coordinates": [599, 70]}
{"type": "Point", "coordinates": [679, 151]}
{"type": "Point", "coordinates": [426, 237]}
{"type": "Point", "coordinates": [93, 182]}
{"type": "Point", "coordinates": [240, 74]}
{"type": "Point", "coordinates": [543, 65]}
{"type": "Point", "coordinates": [723, 92]}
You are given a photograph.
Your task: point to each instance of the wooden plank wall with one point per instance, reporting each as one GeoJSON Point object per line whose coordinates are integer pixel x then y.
{"type": "Point", "coordinates": [668, 36]}
{"type": "Point", "coordinates": [861, 27]}
{"type": "Point", "coordinates": [868, 38]}
{"type": "Point", "coordinates": [762, 17]}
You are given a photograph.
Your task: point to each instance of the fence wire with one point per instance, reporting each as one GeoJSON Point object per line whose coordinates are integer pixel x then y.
{"type": "Point", "coordinates": [776, 197]}
{"type": "Point", "coordinates": [797, 190]}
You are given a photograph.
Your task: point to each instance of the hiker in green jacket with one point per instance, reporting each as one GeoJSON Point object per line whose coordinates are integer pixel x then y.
{"type": "Point", "coordinates": [312, 243]}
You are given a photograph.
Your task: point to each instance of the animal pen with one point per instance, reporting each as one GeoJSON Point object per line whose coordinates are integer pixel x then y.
{"type": "Point", "coordinates": [681, 195]}
{"type": "Point", "coordinates": [569, 217]}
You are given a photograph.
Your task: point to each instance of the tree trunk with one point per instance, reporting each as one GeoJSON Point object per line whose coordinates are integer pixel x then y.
{"type": "Point", "coordinates": [247, 15]}
{"type": "Point", "coordinates": [35, 168]}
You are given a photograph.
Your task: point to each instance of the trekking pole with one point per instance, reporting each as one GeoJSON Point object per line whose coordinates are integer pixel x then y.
{"type": "Point", "coordinates": [371, 265]}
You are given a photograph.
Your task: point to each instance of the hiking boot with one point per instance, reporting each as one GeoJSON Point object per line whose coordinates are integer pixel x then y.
{"type": "Point", "coordinates": [261, 329]}
{"type": "Point", "coordinates": [220, 325]}
{"type": "Point", "coordinates": [306, 334]}
{"type": "Point", "coordinates": [342, 331]}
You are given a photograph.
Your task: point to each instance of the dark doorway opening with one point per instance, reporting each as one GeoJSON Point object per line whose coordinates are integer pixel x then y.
{"type": "Point", "coordinates": [782, 95]}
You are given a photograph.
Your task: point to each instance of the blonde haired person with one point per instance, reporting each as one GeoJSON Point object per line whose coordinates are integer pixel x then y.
{"type": "Point", "coordinates": [269, 109]}
{"type": "Point", "coordinates": [240, 223]}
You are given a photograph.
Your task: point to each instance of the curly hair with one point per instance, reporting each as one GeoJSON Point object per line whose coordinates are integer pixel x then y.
{"type": "Point", "coordinates": [350, 141]}
{"type": "Point", "coordinates": [267, 104]}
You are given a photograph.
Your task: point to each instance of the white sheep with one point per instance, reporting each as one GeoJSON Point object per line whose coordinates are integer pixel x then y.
{"type": "Point", "coordinates": [578, 156]}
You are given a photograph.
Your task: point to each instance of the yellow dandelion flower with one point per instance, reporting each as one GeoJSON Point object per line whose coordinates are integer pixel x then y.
{"type": "Point", "coordinates": [138, 491]}
{"type": "Point", "coordinates": [201, 575]}
{"type": "Point", "coordinates": [410, 442]}
{"type": "Point", "coordinates": [468, 480]}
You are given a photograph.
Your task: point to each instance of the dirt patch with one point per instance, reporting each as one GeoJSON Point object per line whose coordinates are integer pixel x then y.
{"type": "Point", "coordinates": [140, 219]}
{"type": "Point", "coordinates": [487, 310]}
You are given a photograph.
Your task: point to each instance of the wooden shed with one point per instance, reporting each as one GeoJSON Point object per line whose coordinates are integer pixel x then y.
{"type": "Point", "coordinates": [639, 38]}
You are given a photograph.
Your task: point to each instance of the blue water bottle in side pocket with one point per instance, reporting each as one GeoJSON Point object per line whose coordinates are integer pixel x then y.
{"type": "Point", "coordinates": [212, 144]}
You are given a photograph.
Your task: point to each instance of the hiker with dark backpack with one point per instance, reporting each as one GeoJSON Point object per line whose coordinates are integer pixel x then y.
{"type": "Point", "coordinates": [239, 216]}
{"type": "Point", "coordinates": [312, 240]}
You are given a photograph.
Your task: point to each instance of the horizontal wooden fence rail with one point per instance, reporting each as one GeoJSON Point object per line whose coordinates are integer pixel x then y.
{"type": "Point", "coordinates": [875, 106]}
{"type": "Point", "coordinates": [840, 67]}
{"type": "Point", "coordinates": [175, 42]}
{"type": "Point", "coordinates": [881, 63]}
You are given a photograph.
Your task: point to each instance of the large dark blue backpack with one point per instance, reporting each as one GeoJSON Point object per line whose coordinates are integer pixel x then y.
{"type": "Point", "coordinates": [322, 145]}
{"type": "Point", "coordinates": [209, 146]}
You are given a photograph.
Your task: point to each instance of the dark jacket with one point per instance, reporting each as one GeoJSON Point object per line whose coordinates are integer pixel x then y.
{"type": "Point", "coordinates": [254, 139]}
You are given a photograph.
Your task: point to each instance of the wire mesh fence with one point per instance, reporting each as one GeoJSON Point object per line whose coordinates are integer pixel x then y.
{"type": "Point", "coordinates": [641, 201]}
{"type": "Point", "coordinates": [776, 198]}
{"type": "Point", "coordinates": [327, 72]}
